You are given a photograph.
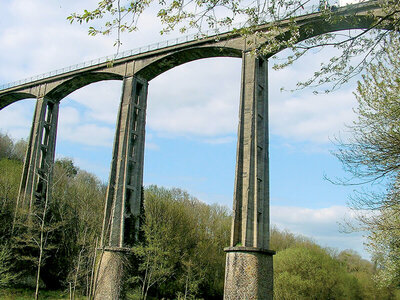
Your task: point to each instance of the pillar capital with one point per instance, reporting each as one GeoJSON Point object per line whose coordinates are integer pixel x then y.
{"type": "Point", "coordinates": [249, 249]}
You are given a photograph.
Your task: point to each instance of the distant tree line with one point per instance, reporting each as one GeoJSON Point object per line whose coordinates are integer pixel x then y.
{"type": "Point", "coordinates": [180, 255]}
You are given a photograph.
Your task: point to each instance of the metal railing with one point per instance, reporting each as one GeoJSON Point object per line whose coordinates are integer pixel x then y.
{"type": "Point", "coordinates": [155, 46]}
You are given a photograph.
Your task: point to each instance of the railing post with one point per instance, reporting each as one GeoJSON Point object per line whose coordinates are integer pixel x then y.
{"type": "Point", "coordinates": [249, 272]}
{"type": "Point", "coordinates": [123, 208]}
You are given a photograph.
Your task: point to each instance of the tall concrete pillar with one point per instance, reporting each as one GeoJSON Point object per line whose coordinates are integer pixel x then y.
{"type": "Point", "coordinates": [249, 271]}
{"type": "Point", "coordinates": [38, 166]}
{"type": "Point", "coordinates": [123, 206]}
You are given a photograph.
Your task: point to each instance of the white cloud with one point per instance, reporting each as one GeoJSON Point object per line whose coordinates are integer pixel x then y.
{"type": "Point", "coordinates": [87, 134]}
{"type": "Point", "coordinates": [220, 140]}
{"type": "Point", "coordinates": [302, 116]}
{"type": "Point", "coordinates": [321, 224]}
{"type": "Point", "coordinates": [101, 100]}
{"type": "Point", "coordinates": [149, 141]}
{"type": "Point", "coordinates": [36, 38]}
{"type": "Point", "coordinates": [314, 118]}
{"type": "Point", "coordinates": [16, 119]}
{"type": "Point", "coordinates": [69, 116]}
{"type": "Point", "coordinates": [76, 128]}
{"type": "Point", "coordinates": [196, 98]}
{"type": "Point", "coordinates": [100, 170]}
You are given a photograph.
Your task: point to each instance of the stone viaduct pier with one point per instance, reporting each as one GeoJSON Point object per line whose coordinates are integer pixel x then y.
{"type": "Point", "coordinates": [249, 270]}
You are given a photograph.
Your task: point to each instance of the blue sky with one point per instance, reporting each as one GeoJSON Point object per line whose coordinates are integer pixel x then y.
{"type": "Point", "coordinates": [191, 122]}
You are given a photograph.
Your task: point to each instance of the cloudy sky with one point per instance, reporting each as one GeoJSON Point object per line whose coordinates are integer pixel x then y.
{"type": "Point", "coordinates": [192, 119]}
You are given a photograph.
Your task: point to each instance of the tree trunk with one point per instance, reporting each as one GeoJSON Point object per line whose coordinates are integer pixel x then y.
{"type": "Point", "coordinates": [41, 245]}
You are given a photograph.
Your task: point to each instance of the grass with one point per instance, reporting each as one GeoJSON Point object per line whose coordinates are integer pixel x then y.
{"type": "Point", "coordinates": [24, 294]}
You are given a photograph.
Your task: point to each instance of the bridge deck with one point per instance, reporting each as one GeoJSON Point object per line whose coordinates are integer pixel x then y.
{"type": "Point", "coordinates": [212, 37]}
{"type": "Point", "coordinates": [192, 39]}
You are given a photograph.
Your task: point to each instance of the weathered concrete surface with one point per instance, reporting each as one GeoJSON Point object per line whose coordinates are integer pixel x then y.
{"type": "Point", "coordinates": [124, 194]}
{"type": "Point", "coordinates": [250, 227]}
{"type": "Point", "coordinates": [249, 274]}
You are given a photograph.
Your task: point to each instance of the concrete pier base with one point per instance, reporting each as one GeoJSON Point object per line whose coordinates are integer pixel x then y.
{"type": "Point", "coordinates": [108, 284]}
{"type": "Point", "coordinates": [248, 274]}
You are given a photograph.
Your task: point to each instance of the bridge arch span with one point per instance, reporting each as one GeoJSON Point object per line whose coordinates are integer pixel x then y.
{"type": "Point", "coordinates": [59, 90]}
{"type": "Point", "coordinates": [311, 27]}
{"type": "Point", "coordinates": [151, 64]}
{"type": "Point", "coordinates": [10, 98]}
{"type": "Point", "coordinates": [157, 66]}
{"type": "Point", "coordinates": [71, 85]}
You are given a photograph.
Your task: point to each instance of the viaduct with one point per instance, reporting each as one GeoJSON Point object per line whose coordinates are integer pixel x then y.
{"type": "Point", "coordinates": [249, 270]}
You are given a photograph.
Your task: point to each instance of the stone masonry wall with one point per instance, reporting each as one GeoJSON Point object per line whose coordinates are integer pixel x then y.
{"type": "Point", "coordinates": [248, 275]}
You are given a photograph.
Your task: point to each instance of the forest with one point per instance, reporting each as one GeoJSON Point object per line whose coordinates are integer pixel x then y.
{"type": "Point", "coordinates": [54, 250]}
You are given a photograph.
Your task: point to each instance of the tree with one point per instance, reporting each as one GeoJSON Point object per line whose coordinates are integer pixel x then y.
{"type": "Point", "coordinates": [84, 209]}
{"type": "Point", "coordinates": [181, 255]}
{"type": "Point", "coordinates": [353, 262]}
{"type": "Point", "coordinates": [364, 271]}
{"type": "Point", "coordinates": [7, 274]}
{"type": "Point", "coordinates": [19, 150]}
{"type": "Point", "coordinates": [61, 235]}
{"type": "Point", "coordinates": [77, 204]}
{"type": "Point", "coordinates": [385, 247]}
{"type": "Point", "coordinates": [372, 155]}
{"type": "Point", "coordinates": [357, 48]}
{"type": "Point", "coordinates": [6, 146]}
{"type": "Point", "coordinates": [284, 239]}
{"type": "Point", "coordinates": [10, 177]}
{"type": "Point", "coordinates": [311, 273]}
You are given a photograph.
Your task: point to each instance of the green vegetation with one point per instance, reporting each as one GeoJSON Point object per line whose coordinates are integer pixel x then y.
{"type": "Point", "coordinates": [182, 252]}
{"type": "Point", "coordinates": [24, 294]}
{"type": "Point", "coordinates": [304, 270]}
{"type": "Point", "coordinates": [59, 237]}
{"type": "Point", "coordinates": [180, 255]}
{"type": "Point", "coordinates": [372, 156]}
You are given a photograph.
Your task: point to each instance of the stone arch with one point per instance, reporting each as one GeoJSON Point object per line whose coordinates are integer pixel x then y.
{"type": "Point", "coordinates": [165, 63]}
{"type": "Point", "coordinates": [62, 89]}
{"type": "Point", "coordinates": [315, 26]}
{"type": "Point", "coordinates": [10, 98]}
{"type": "Point", "coordinates": [309, 27]}
{"type": "Point", "coordinates": [67, 87]}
